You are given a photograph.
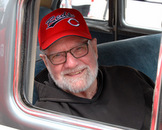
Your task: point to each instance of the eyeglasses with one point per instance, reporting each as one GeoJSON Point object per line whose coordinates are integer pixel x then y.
{"type": "Point", "coordinates": [61, 57]}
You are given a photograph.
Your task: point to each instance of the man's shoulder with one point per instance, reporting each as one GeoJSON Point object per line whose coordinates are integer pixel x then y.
{"type": "Point", "coordinates": [125, 74]}
{"type": "Point", "coordinates": [113, 68]}
{"type": "Point", "coordinates": [119, 70]}
{"type": "Point", "coordinates": [126, 70]}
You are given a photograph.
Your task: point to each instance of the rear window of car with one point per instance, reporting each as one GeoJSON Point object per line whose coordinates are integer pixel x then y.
{"type": "Point", "coordinates": [143, 13]}
{"type": "Point", "coordinates": [97, 9]}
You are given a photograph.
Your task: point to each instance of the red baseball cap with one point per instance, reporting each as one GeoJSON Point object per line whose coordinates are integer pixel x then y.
{"type": "Point", "coordinates": [60, 23]}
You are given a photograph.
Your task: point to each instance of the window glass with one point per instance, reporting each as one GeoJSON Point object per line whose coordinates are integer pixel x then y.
{"type": "Point", "coordinates": [94, 9]}
{"type": "Point", "coordinates": [144, 13]}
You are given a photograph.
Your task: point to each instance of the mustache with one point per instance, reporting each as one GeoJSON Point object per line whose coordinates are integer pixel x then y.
{"type": "Point", "coordinates": [78, 68]}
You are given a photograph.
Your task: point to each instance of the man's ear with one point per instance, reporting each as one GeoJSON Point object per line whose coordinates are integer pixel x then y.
{"type": "Point", "coordinates": [94, 46]}
{"type": "Point", "coordinates": [44, 59]}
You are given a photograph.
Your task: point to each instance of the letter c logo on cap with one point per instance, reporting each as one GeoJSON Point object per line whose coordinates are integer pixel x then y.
{"type": "Point", "coordinates": [73, 22]}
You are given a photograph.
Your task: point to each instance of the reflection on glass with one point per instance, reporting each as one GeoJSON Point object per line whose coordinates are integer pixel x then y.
{"type": "Point", "coordinates": [3, 6]}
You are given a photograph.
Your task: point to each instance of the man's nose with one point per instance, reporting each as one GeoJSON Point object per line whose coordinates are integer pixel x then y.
{"type": "Point", "coordinates": [71, 61]}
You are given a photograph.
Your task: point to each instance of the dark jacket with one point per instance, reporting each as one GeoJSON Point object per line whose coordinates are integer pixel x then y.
{"type": "Point", "coordinates": [124, 97]}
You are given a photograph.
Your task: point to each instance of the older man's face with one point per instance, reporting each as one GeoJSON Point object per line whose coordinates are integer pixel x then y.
{"type": "Point", "coordinates": [76, 74]}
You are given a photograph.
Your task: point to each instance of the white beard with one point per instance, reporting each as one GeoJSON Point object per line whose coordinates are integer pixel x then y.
{"type": "Point", "coordinates": [76, 85]}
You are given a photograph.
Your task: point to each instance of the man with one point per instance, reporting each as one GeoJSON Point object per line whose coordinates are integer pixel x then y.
{"type": "Point", "coordinates": [74, 84]}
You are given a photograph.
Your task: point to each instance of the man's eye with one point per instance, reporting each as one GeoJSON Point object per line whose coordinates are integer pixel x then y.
{"type": "Point", "coordinates": [81, 48]}
{"type": "Point", "coordinates": [55, 56]}
{"type": "Point", "coordinates": [58, 55]}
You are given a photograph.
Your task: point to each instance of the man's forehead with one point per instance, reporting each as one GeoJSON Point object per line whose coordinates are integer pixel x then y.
{"type": "Point", "coordinates": [71, 38]}
{"type": "Point", "coordinates": [68, 41]}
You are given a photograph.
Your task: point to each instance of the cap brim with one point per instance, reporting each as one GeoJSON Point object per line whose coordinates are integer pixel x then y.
{"type": "Point", "coordinates": [57, 37]}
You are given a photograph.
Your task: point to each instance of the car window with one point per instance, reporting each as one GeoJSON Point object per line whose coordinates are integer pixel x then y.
{"type": "Point", "coordinates": [143, 13]}
{"type": "Point", "coordinates": [91, 6]}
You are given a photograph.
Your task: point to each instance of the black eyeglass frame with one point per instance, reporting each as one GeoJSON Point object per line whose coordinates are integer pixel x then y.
{"type": "Point", "coordinates": [69, 51]}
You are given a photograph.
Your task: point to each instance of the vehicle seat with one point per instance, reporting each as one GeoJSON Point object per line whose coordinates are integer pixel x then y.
{"type": "Point", "coordinates": [140, 53]}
